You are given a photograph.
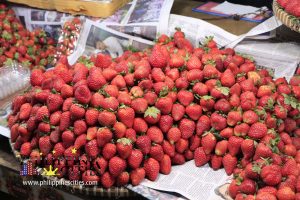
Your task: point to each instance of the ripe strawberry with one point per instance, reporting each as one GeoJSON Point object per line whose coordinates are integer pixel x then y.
{"type": "Point", "coordinates": [164, 105]}
{"type": "Point", "coordinates": [233, 188]}
{"type": "Point", "coordinates": [95, 79]}
{"type": "Point", "coordinates": [83, 94]}
{"type": "Point", "coordinates": [107, 180]}
{"type": "Point", "coordinates": [144, 143]}
{"type": "Point", "coordinates": [208, 142]}
{"type": "Point", "coordinates": [187, 128]}
{"type": "Point", "coordinates": [234, 117]}
{"type": "Point", "coordinates": [42, 113]}
{"type": "Point", "coordinates": [218, 121]}
{"type": "Point", "coordinates": [203, 125]}
{"type": "Point", "coordinates": [137, 175]}
{"type": "Point", "coordinates": [250, 117]}
{"type": "Point", "coordinates": [36, 77]}
{"type": "Point", "coordinates": [80, 141]}
{"type": "Point", "coordinates": [248, 100]}
{"type": "Point", "coordinates": [25, 111]}
{"type": "Point", "coordinates": [155, 134]}
{"type": "Point", "coordinates": [271, 175]}
{"type": "Point", "coordinates": [165, 165]}
{"type": "Point", "coordinates": [194, 63]}
{"type": "Point", "coordinates": [124, 147]}
{"type": "Point", "coordinates": [151, 167]}
{"type": "Point", "coordinates": [185, 97]}
{"type": "Point", "coordinates": [200, 157]}
{"type": "Point", "coordinates": [173, 135]}
{"type": "Point", "coordinates": [91, 148]}
{"type": "Point", "coordinates": [194, 111]}
{"type": "Point", "coordinates": [106, 118]}
{"type": "Point", "coordinates": [100, 165]}
{"type": "Point", "coordinates": [165, 123]}
{"type": "Point", "coordinates": [248, 186]}
{"type": "Point", "coordinates": [229, 163]}
{"type": "Point", "coordinates": [126, 116]}
{"type": "Point", "coordinates": [45, 145]}
{"type": "Point", "coordinates": [216, 162]}
{"type": "Point", "coordinates": [178, 111]}
{"type": "Point", "coordinates": [248, 148]}
{"type": "Point", "coordinates": [139, 105]}
{"type": "Point", "coordinates": [227, 78]}
{"type": "Point", "coordinates": [234, 145]}
{"type": "Point", "coordinates": [157, 59]}
{"type": "Point", "coordinates": [285, 193]}
{"type": "Point", "coordinates": [221, 148]}
{"type": "Point", "coordinates": [152, 115]}
{"type": "Point", "coordinates": [110, 103]}
{"type": "Point", "coordinates": [181, 145]}
{"type": "Point", "coordinates": [25, 149]}
{"type": "Point", "coordinates": [257, 130]}
{"type": "Point", "coordinates": [42, 127]}
{"type": "Point", "coordinates": [123, 179]}
{"type": "Point", "coordinates": [262, 151]}
{"type": "Point", "coordinates": [80, 127]}
{"type": "Point", "coordinates": [104, 135]}
{"type": "Point", "coordinates": [135, 158]}
{"type": "Point", "coordinates": [109, 150]}
{"type": "Point", "coordinates": [58, 150]}
{"type": "Point", "coordinates": [116, 166]}
{"type": "Point", "coordinates": [140, 125]}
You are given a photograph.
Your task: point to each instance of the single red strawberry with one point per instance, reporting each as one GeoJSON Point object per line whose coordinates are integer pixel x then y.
{"type": "Point", "coordinates": [185, 97]}
{"type": "Point", "coordinates": [271, 175]}
{"type": "Point", "coordinates": [187, 128]}
{"type": "Point", "coordinates": [100, 165]}
{"type": "Point", "coordinates": [248, 148]}
{"type": "Point", "coordinates": [164, 105]}
{"type": "Point", "coordinates": [157, 59]}
{"type": "Point", "coordinates": [106, 118]}
{"type": "Point", "coordinates": [221, 148]}
{"type": "Point", "coordinates": [45, 145]}
{"type": "Point", "coordinates": [165, 123]}
{"type": "Point", "coordinates": [241, 130]}
{"type": "Point", "coordinates": [155, 134]}
{"type": "Point", "coordinates": [25, 111]}
{"type": "Point", "coordinates": [152, 115]}
{"type": "Point", "coordinates": [140, 125]}
{"type": "Point", "coordinates": [203, 125]}
{"type": "Point", "coordinates": [124, 147]}
{"type": "Point", "coordinates": [234, 117]}
{"type": "Point", "coordinates": [122, 179]}
{"type": "Point", "coordinates": [151, 167]}
{"type": "Point", "coordinates": [83, 94]}
{"type": "Point", "coordinates": [208, 142]}
{"type": "Point", "coordinates": [80, 127]}
{"type": "Point", "coordinates": [257, 130]}
{"type": "Point", "coordinates": [178, 111]}
{"type": "Point", "coordinates": [218, 121]}
{"type": "Point", "coordinates": [25, 149]}
{"type": "Point", "coordinates": [248, 186]}
{"type": "Point", "coordinates": [165, 165]}
{"type": "Point", "coordinates": [234, 145]}
{"type": "Point", "coordinates": [194, 111]}
{"type": "Point", "coordinates": [107, 180]}
{"type": "Point", "coordinates": [135, 158]}
{"type": "Point", "coordinates": [144, 143]}
{"type": "Point", "coordinates": [137, 175]}
{"type": "Point", "coordinates": [139, 105]}
{"type": "Point", "coordinates": [104, 135]}
{"type": "Point", "coordinates": [200, 157]}
{"type": "Point", "coordinates": [250, 117]}
{"type": "Point", "coordinates": [109, 150]}
{"type": "Point", "coordinates": [91, 148]}
{"type": "Point", "coordinates": [174, 134]}
{"type": "Point", "coordinates": [42, 113]}
{"type": "Point", "coordinates": [229, 163]}
{"type": "Point", "coordinates": [116, 166]}
{"type": "Point", "coordinates": [95, 79]}
{"type": "Point", "coordinates": [216, 162]}
{"type": "Point", "coordinates": [126, 116]}
{"type": "Point", "coordinates": [262, 151]}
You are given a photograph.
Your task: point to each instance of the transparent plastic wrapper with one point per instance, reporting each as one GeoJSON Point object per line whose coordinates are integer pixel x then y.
{"type": "Point", "coordinates": [68, 38]}
{"type": "Point", "coordinates": [13, 77]}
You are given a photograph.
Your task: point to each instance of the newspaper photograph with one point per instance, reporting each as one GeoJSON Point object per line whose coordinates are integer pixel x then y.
{"type": "Point", "coordinates": [147, 32]}
{"type": "Point", "coordinates": [97, 38]}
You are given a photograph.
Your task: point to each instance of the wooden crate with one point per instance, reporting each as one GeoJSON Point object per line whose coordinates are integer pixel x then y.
{"type": "Point", "coordinates": [77, 7]}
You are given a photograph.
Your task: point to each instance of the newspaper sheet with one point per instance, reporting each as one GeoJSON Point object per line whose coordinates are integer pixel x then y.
{"type": "Point", "coordinates": [97, 38]}
{"type": "Point", "coordinates": [190, 181]}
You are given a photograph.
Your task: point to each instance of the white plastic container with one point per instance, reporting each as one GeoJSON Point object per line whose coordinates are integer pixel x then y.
{"type": "Point", "coordinates": [13, 78]}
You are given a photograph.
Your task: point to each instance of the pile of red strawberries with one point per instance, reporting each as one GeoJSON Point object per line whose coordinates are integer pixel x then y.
{"type": "Point", "coordinates": [291, 6]}
{"type": "Point", "coordinates": [117, 121]}
{"type": "Point", "coordinates": [32, 49]}
{"type": "Point", "coordinates": [69, 37]}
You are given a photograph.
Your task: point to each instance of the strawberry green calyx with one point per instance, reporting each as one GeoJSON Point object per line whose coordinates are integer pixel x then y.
{"type": "Point", "coordinates": [124, 141]}
{"type": "Point", "coordinates": [152, 112]}
{"type": "Point", "coordinates": [206, 97]}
